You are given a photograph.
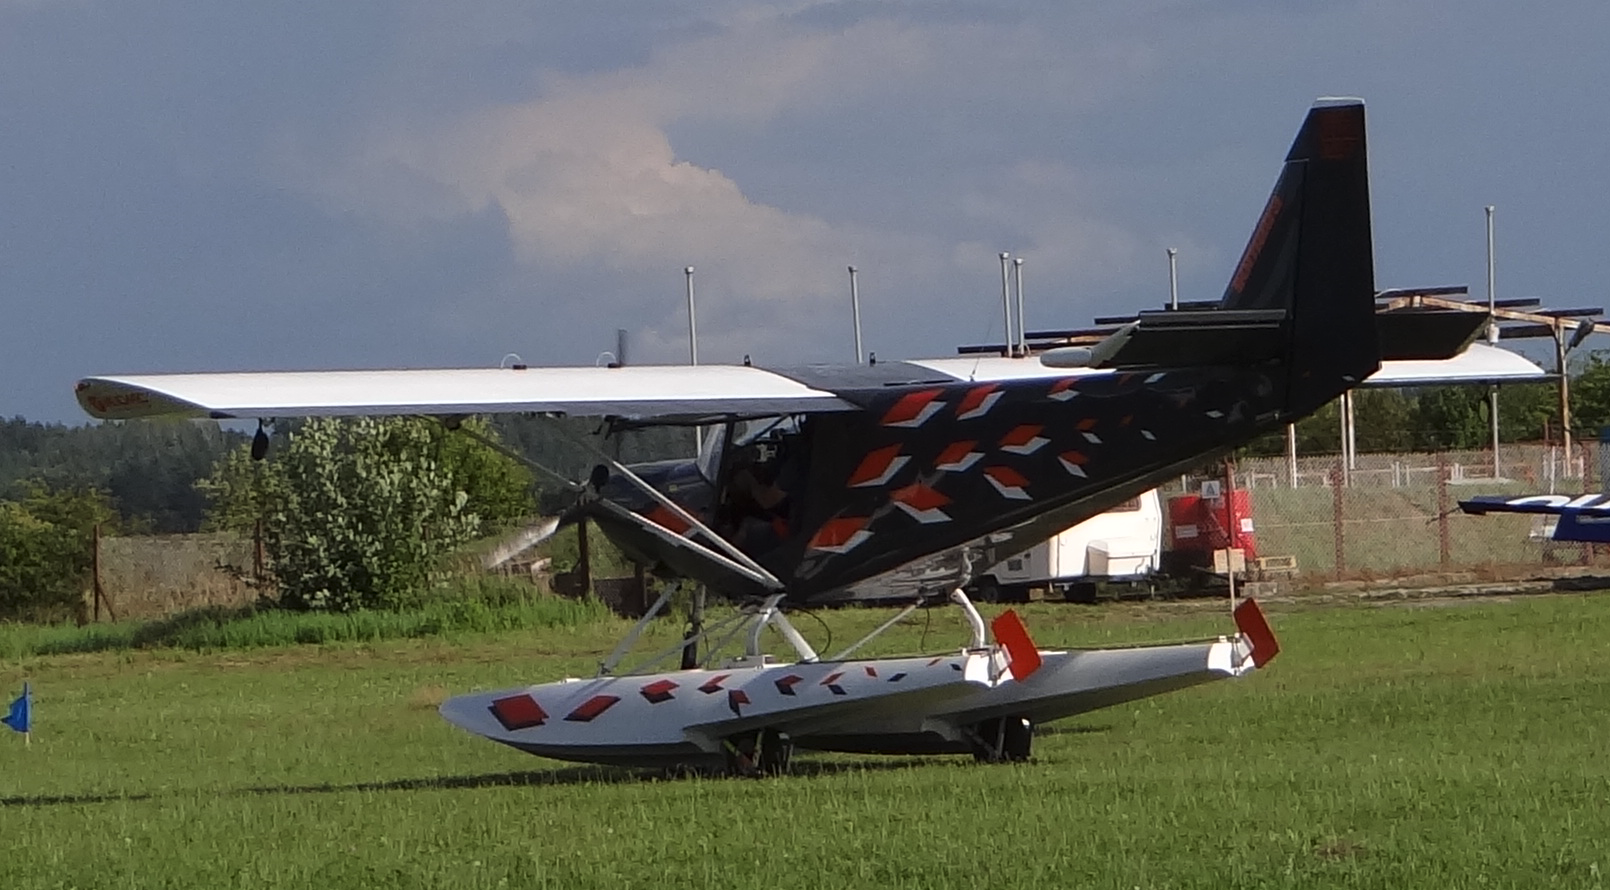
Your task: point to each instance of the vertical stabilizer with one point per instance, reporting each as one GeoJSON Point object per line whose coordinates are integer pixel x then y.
{"type": "Point", "coordinates": [1311, 255]}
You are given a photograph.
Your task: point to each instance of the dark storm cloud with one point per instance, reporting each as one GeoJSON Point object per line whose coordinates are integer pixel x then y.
{"type": "Point", "coordinates": [202, 186]}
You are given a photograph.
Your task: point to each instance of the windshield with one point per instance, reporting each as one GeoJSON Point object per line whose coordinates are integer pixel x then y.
{"type": "Point", "coordinates": [747, 431]}
{"type": "Point", "coordinates": [710, 452]}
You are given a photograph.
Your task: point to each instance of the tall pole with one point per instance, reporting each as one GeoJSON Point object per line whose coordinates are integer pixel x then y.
{"type": "Point", "coordinates": [1022, 329]}
{"type": "Point", "coordinates": [1565, 395]}
{"type": "Point", "coordinates": [1291, 453]}
{"type": "Point", "coordinates": [1173, 278]}
{"type": "Point", "coordinates": [1492, 290]}
{"type": "Point", "coordinates": [1492, 337]}
{"type": "Point", "coordinates": [693, 354]}
{"type": "Point", "coordinates": [1006, 303]}
{"type": "Point", "coordinates": [693, 323]}
{"type": "Point", "coordinates": [855, 312]}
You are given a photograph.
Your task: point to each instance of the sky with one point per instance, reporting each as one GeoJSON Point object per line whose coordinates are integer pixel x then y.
{"type": "Point", "coordinates": [204, 186]}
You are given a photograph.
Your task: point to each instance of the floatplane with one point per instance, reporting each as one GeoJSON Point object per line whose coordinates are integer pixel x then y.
{"type": "Point", "coordinates": [831, 484]}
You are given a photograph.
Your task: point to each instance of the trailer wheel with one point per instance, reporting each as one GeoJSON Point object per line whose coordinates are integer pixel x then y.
{"type": "Point", "coordinates": [1080, 592]}
{"type": "Point", "coordinates": [985, 590]}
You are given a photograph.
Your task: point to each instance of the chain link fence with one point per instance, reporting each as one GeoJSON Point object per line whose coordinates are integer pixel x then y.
{"type": "Point", "coordinates": [1395, 515]}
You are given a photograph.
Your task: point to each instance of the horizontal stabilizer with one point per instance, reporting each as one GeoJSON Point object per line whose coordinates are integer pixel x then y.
{"type": "Point", "coordinates": [1549, 504]}
{"type": "Point", "coordinates": [1581, 517]}
{"type": "Point", "coordinates": [1427, 334]}
{"type": "Point", "coordinates": [1478, 365]}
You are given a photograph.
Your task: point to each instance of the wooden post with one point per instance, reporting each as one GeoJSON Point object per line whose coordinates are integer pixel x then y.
{"type": "Point", "coordinates": [584, 568]}
{"type": "Point", "coordinates": [690, 650]}
{"type": "Point", "coordinates": [95, 570]}
{"type": "Point", "coordinates": [257, 553]}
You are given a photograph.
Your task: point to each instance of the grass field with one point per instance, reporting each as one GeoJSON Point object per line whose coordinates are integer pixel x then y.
{"type": "Point", "coordinates": [1405, 746]}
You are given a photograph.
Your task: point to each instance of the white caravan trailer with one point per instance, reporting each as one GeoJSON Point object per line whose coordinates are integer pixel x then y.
{"type": "Point", "coordinates": [1125, 542]}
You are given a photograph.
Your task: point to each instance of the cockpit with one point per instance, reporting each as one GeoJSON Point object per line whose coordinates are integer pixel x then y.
{"type": "Point", "coordinates": [756, 473]}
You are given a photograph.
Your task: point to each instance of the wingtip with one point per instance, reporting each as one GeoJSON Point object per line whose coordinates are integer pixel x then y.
{"type": "Point", "coordinates": [1336, 102]}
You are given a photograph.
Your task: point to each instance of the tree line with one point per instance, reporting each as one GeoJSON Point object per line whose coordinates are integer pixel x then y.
{"type": "Point", "coordinates": [353, 514]}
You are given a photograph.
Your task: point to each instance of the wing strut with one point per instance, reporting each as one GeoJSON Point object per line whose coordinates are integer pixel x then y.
{"type": "Point", "coordinates": [607, 666]}
{"type": "Point", "coordinates": [753, 569]}
{"type": "Point", "coordinates": [456, 424]}
{"type": "Point", "coordinates": [758, 575]}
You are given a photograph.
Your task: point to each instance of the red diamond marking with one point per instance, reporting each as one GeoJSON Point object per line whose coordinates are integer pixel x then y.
{"type": "Point", "coordinates": [658, 691]}
{"type": "Point", "coordinates": [591, 708]}
{"type": "Point", "coordinates": [871, 671]}
{"type": "Point", "coordinates": [518, 712]}
{"type": "Point", "coordinates": [876, 467]}
{"type": "Point", "coordinates": [837, 532]}
{"type": "Point", "coordinates": [831, 682]}
{"type": "Point", "coordinates": [714, 684]}
{"type": "Point", "coordinates": [955, 454]}
{"type": "Point", "coordinates": [1086, 425]}
{"type": "Point", "coordinates": [736, 697]}
{"type": "Point", "coordinates": [1021, 435]}
{"type": "Point", "coordinates": [1009, 482]}
{"type": "Point", "coordinates": [912, 409]}
{"type": "Point", "coordinates": [919, 497]}
{"type": "Point", "coordinates": [1006, 476]}
{"type": "Point", "coordinates": [786, 684]}
{"type": "Point", "coordinates": [977, 401]}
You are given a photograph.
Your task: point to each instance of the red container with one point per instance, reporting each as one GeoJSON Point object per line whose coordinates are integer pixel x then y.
{"type": "Point", "coordinates": [1204, 525]}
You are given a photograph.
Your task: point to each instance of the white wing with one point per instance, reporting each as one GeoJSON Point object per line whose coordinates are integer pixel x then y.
{"type": "Point", "coordinates": [639, 391]}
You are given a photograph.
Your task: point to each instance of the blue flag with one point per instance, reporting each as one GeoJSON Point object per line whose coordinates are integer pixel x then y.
{"type": "Point", "coordinates": [21, 715]}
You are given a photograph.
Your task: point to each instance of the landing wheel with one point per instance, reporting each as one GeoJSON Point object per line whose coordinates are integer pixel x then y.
{"type": "Point", "coordinates": [985, 590]}
{"type": "Point", "coordinates": [1003, 740]}
{"type": "Point", "coordinates": [766, 752]}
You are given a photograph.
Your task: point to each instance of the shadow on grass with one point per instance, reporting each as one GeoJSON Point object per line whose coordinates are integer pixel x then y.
{"type": "Point", "coordinates": [578, 775]}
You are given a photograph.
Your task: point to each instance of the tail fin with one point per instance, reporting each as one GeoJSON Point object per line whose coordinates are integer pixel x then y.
{"type": "Point", "coordinates": [1311, 256]}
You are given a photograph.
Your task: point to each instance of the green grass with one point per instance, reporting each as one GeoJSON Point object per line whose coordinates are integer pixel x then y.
{"type": "Point", "coordinates": [218, 628]}
{"type": "Point", "coordinates": [1453, 746]}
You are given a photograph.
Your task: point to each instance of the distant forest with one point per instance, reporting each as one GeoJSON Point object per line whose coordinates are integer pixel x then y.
{"type": "Point", "coordinates": [149, 468]}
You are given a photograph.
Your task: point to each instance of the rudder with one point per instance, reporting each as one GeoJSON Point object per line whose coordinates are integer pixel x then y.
{"type": "Point", "coordinates": [1311, 255]}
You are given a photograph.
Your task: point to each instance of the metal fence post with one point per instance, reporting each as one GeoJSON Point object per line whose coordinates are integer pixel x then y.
{"type": "Point", "coordinates": [1336, 501]}
{"type": "Point", "coordinates": [1444, 540]}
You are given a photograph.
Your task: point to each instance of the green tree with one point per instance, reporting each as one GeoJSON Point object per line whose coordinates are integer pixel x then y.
{"type": "Point", "coordinates": [1528, 412]}
{"type": "Point", "coordinates": [147, 468]}
{"type": "Point", "coordinates": [358, 514]}
{"type": "Point", "coordinates": [1451, 417]}
{"type": "Point", "coordinates": [364, 516]}
{"type": "Point", "coordinates": [1590, 396]}
{"type": "Point", "coordinates": [46, 548]}
{"type": "Point", "coordinates": [501, 490]}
